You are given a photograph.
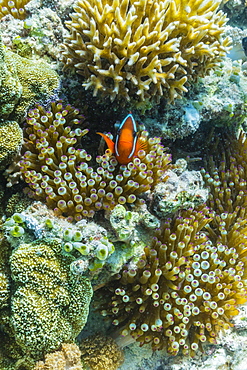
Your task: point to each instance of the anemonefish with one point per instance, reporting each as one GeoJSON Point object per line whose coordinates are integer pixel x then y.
{"type": "Point", "coordinates": [127, 142]}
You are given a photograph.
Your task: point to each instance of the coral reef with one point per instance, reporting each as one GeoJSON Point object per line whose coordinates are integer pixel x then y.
{"type": "Point", "coordinates": [68, 358]}
{"type": "Point", "coordinates": [100, 353]}
{"type": "Point", "coordinates": [217, 100]}
{"type": "Point", "coordinates": [58, 170]}
{"type": "Point", "coordinates": [11, 140]}
{"type": "Point", "coordinates": [186, 286]}
{"type": "Point", "coordinates": [15, 7]}
{"type": "Point", "coordinates": [23, 82]}
{"type": "Point", "coordinates": [144, 49]}
{"type": "Point", "coordinates": [124, 223]}
{"type": "Point", "coordinates": [4, 272]}
{"type": "Point", "coordinates": [180, 191]}
{"type": "Point", "coordinates": [49, 305]}
{"type": "Point", "coordinates": [11, 90]}
{"type": "Point", "coordinates": [89, 245]}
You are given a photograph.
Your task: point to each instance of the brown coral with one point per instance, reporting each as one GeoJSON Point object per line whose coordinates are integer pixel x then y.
{"type": "Point", "coordinates": [60, 174]}
{"type": "Point", "coordinates": [68, 358]}
{"type": "Point", "coordinates": [143, 49]}
{"type": "Point", "coordinates": [101, 353]}
{"type": "Point", "coordinates": [14, 7]}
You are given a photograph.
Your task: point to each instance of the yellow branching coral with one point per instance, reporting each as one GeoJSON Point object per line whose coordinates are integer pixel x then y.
{"type": "Point", "coordinates": [140, 49]}
{"type": "Point", "coordinates": [101, 353]}
{"type": "Point", "coordinates": [14, 7]}
{"type": "Point", "coordinates": [58, 170]}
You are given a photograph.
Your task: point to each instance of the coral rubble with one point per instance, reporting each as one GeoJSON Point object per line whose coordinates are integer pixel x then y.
{"type": "Point", "coordinates": [141, 49]}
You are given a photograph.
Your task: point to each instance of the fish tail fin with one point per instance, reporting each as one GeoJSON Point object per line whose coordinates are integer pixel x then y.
{"type": "Point", "coordinates": [108, 141]}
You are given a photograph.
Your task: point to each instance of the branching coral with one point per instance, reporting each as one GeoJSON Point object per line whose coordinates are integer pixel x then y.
{"type": "Point", "coordinates": [140, 49]}
{"type": "Point", "coordinates": [184, 289]}
{"type": "Point", "coordinates": [58, 170]}
{"type": "Point", "coordinates": [100, 353]}
{"type": "Point", "coordinates": [14, 7]}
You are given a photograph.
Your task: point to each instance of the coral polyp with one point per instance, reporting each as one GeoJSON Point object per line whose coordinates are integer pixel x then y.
{"type": "Point", "coordinates": [60, 172]}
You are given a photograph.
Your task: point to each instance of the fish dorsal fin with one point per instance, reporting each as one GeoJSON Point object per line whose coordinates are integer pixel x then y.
{"type": "Point", "coordinates": [108, 141]}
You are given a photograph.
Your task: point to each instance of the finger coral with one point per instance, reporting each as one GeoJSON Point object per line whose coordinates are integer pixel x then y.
{"type": "Point", "coordinates": [16, 8]}
{"type": "Point", "coordinates": [143, 49]}
{"type": "Point", "coordinates": [183, 290]}
{"type": "Point", "coordinates": [68, 358]}
{"type": "Point", "coordinates": [59, 171]}
{"type": "Point", "coordinates": [100, 353]}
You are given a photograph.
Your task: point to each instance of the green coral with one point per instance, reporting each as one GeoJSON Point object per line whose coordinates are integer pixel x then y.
{"type": "Point", "coordinates": [49, 305]}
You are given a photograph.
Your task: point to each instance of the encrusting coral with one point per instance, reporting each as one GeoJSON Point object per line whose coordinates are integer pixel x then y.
{"type": "Point", "coordinates": [58, 171]}
{"type": "Point", "coordinates": [68, 358]}
{"type": "Point", "coordinates": [101, 353]}
{"type": "Point", "coordinates": [14, 7]}
{"type": "Point", "coordinates": [144, 49]}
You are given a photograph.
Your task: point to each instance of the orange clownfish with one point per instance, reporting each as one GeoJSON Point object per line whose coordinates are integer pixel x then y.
{"type": "Point", "coordinates": [127, 142]}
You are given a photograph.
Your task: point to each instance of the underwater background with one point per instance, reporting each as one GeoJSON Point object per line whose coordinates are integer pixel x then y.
{"type": "Point", "coordinates": [123, 184]}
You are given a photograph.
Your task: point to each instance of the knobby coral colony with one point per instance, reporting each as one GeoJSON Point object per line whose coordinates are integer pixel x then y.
{"type": "Point", "coordinates": [143, 49]}
{"type": "Point", "coordinates": [188, 283]}
{"type": "Point", "coordinates": [58, 170]}
{"type": "Point", "coordinates": [14, 7]}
